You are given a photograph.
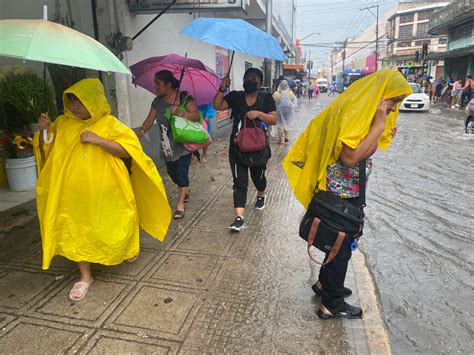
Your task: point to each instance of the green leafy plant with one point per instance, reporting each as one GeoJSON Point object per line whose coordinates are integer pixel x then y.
{"type": "Point", "coordinates": [26, 94]}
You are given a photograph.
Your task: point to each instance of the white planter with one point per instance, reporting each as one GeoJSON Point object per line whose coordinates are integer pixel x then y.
{"type": "Point", "coordinates": [21, 173]}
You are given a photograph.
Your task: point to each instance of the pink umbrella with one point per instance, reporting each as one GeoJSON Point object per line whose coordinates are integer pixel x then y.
{"type": "Point", "coordinates": [197, 79]}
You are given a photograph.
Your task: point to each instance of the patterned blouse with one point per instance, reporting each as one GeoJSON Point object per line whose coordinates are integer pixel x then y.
{"type": "Point", "coordinates": [344, 181]}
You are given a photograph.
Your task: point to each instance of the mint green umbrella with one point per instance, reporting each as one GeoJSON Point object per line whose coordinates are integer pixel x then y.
{"type": "Point", "coordinates": [50, 42]}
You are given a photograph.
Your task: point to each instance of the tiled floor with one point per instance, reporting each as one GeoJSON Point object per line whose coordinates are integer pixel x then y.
{"type": "Point", "coordinates": [10, 199]}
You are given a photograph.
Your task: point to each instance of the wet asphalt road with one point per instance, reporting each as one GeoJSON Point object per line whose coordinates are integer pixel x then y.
{"type": "Point", "coordinates": [418, 238]}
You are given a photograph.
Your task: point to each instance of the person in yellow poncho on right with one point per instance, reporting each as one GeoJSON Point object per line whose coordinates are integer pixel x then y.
{"type": "Point", "coordinates": [95, 187]}
{"type": "Point", "coordinates": [326, 157]}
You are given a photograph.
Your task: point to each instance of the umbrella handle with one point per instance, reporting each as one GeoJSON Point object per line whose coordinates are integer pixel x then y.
{"type": "Point", "coordinates": [47, 139]}
{"type": "Point", "coordinates": [230, 65]}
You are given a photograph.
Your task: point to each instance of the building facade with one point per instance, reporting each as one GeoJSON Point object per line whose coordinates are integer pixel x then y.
{"type": "Point", "coordinates": [409, 41]}
{"type": "Point", "coordinates": [113, 22]}
{"type": "Point", "coordinates": [456, 21]}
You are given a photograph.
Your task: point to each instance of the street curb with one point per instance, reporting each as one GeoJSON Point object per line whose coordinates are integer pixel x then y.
{"type": "Point", "coordinates": [374, 324]}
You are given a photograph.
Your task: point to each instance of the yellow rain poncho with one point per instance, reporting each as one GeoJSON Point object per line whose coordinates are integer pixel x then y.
{"type": "Point", "coordinates": [89, 206]}
{"type": "Point", "coordinates": [347, 120]}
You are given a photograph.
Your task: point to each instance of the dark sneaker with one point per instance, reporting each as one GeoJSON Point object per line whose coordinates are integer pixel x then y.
{"type": "Point", "coordinates": [319, 291]}
{"type": "Point", "coordinates": [237, 225]}
{"type": "Point", "coordinates": [345, 311]}
{"type": "Point", "coordinates": [260, 203]}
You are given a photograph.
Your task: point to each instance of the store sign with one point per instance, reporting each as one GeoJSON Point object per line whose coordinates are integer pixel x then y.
{"type": "Point", "coordinates": [223, 115]}
{"type": "Point", "coordinates": [153, 6]}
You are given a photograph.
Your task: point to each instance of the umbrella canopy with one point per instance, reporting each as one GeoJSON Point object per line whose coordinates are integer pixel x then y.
{"type": "Point", "coordinates": [50, 42]}
{"type": "Point", "coordinates": [237, 35]}
{"type": "Point", "coordinates": [199, 80]}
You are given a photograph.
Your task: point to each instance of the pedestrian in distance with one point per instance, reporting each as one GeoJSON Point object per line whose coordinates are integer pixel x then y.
{"type": "Point", "coordinates": [95, 186]}
{"type": "Point", "coordinates": [332, 90]}
{"type": "Point", "coordinates": [175, 154]}
{"type": "Point", "coordinates": [457, 94]}
{"type": "Point", "coordinates": [255, 110]}
{"type": "Point", "coordinates": [327, 156]}
{"type": "Point", "coordinates": [467, 90]}
{"type": "Point", "coordinates": [286, 103]}
{"type": "Point", "coordinates": [310, 90]}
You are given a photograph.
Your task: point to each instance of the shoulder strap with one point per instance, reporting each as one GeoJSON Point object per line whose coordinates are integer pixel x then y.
{"type": "Point", "coordinates": [362, 181]}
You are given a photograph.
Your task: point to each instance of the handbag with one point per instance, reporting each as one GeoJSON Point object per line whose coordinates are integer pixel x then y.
{"type": "Point", "coordinates": [186, 131]}
{"type": "Point", "coordinates": [251, 139]}
{"type": "Point", "coordinates": [329, 219]}
{"type": "Point", "coordinates": [192, 147]}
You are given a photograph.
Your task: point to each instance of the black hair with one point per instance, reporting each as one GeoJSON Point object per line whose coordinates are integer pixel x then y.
{"type": "Point", "coordinates": [470, 77]}
{"type": "Point", "coordinates": [167, 77]}
{"type": "Point", "coordinates": [72, 97]}
{"type": "Point", "coordinates": [255, 71]}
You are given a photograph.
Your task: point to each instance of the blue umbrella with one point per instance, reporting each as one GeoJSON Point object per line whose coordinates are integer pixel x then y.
{"type": "Point", "coordinates": [236, 35]}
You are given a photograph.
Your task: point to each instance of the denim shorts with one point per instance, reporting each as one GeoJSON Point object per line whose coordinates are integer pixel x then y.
{"type": "Point", "coordinates": [178, 170]}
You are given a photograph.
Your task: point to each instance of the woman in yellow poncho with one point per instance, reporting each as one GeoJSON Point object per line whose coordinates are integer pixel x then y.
{"type": "Point", "coordinates": [326, 157]}
{"type": "Point", "coordinates": [90, 206]}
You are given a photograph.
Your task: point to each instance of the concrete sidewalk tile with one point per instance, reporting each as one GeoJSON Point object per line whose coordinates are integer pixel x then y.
{"type": "Point", "coordinates": [157, 312]}
{"type": "Point", "coordinates": [95, 306]}
{"type": "Point", "coordinates": [18, 288]}
{"type": "Point", "coordinates": [135, 269]}
{"type": "Point", "coordinates": [114, 342]}
{"type": "Point", "coordinates": [206, 241]}
{"type": "Point", "coordinates": [190, 270]}
{"type": "Point", "coordinates": [28, 337]}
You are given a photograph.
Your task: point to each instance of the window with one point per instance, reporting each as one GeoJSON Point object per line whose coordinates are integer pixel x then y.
{"type": "Point", "coordinates": [424, 15]}
{"type": "Point", "coordinates": [248, 65]}
{"type": "Point", "coordinates": [404, 44]}
{"type": "Point", "coordinates": [443, 40]}
{"type": "Point", "coordinates": [406, 32]}
{"type": "Point", "coordinates": [407, 18]}
{"type": "Point", "coordinates": [420, 43]}
{"type": "Point", "coordinates": [422, 29]}
{"type": "Point", "coordinates": [461, 32]}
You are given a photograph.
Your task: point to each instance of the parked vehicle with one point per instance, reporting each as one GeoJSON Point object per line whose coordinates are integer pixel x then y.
{"type": "Point", "coordinates": [418, 101]}
{"type": "Point", "coordinates": [322, 84]}
{"type": "Point", "coordinates": [469, 123]}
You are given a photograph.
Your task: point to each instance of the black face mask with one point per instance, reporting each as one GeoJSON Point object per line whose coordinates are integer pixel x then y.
{"type": "Point", "coordinates": [250, 86]}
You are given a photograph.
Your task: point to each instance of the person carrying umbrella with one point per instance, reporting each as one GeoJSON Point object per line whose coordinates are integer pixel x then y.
{"type": "Point", "coordinates": [176, 156]}
{"type": "Point", "coordinates": [249, 107]}
{"type": "Point", "coordinates": [95, 186]}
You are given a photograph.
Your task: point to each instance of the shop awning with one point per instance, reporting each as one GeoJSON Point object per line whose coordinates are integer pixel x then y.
{"type": "Point", "coordinates": [293, 66]}
{"type": "Point", "coordinates": [458, 52]}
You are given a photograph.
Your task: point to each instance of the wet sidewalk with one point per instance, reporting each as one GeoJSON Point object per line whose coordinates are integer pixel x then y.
{"type": "Point", "coordinates": [204, 290]}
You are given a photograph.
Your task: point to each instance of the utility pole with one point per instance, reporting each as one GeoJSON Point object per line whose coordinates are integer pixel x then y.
{"type": "Point", "coordinates": [376, 33]}
{"type": "Point", "coordinates": [268, 62]}
{"type": "Point", "coordinates": [309, 65]}
{"type": "Point", "coordinates": [344, 55]}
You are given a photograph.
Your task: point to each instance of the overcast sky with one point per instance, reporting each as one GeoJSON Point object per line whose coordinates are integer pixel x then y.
{"type": "Point", "coordinates": [335, 20]}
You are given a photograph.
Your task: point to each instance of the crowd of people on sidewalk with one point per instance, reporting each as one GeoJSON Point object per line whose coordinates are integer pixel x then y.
{"type": "Point", "coordinates": [97, 188]}
{"type": "Point", "coordinates": [452, 93]}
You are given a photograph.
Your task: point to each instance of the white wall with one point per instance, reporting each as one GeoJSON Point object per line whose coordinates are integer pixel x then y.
{"type": "Point", "coordinates": [162, 38]}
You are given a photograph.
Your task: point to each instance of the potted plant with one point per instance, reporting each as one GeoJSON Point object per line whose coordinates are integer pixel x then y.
{"type": "Point", "coordinates": [23, 97]}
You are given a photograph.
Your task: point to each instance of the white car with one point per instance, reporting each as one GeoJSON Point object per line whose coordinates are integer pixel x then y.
{"type": "Point", "coordinates": [417, 101]}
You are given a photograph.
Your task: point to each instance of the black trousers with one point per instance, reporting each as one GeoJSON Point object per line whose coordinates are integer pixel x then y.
{"type": "Point", "coordinates": [240, 173]}
{"type": "Point", "coordinates": [333, 275]}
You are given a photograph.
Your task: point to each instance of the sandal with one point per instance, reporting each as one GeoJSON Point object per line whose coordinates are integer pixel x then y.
{"type": "Point", "coordinates": [178, 214]}
{"type": "Point", "coordinates": [132, 260]}
{"type": "Point", "coordinates": [345, 311]}
{"type": "Point", "coordinates": [80, 289]}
